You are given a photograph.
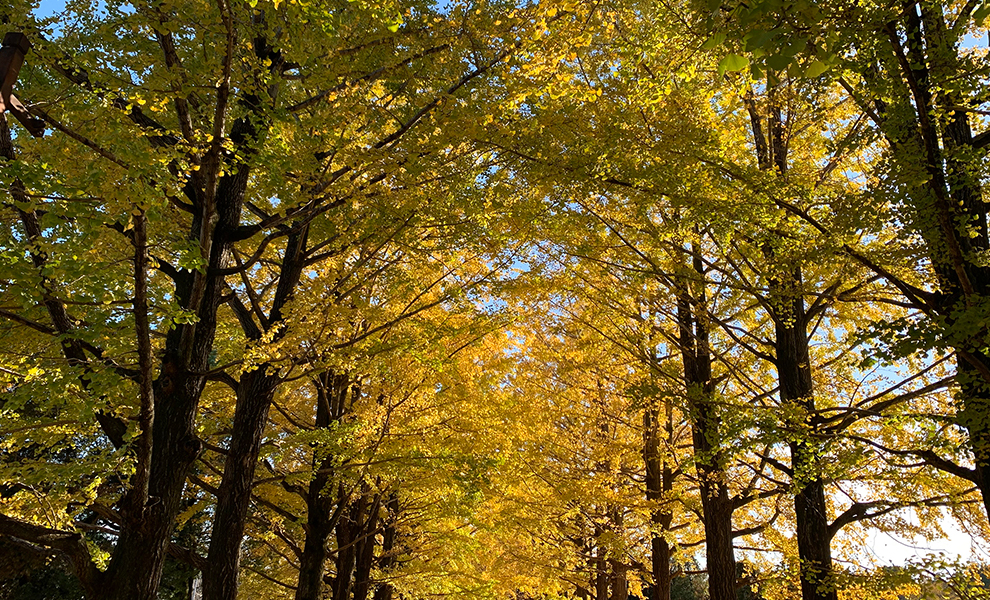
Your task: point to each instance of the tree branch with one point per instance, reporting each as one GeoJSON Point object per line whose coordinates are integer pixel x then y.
{"type": "Point", "coordinates": [69, 543]}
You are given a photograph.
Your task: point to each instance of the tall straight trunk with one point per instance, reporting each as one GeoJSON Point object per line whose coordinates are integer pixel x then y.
{"type": "Point", "coordinates": [136, 562]}
{"type": "Point", "coordinates": [365, 552]}
{"type": "Point", "coordinates": [797, 389]}
{"type": "Point", "coordinates": [618, 578]}
{"type": "Point", "coordinates": [716, 505]}
{"type": "Point", "coordinates": [659, 484]}
{"type": "Point", "coordinates": [923, 128]}
{"type": "Point", "coordinates": [600, 567]}
{"type": "Point", "coordinates": [331, 392]}
{"type": "Point", "coordinates": [388, 559]}
{"type": "Point", "coordinates": [619, 581]}
{"type": "Point", "coordinates": [254, 396]}
{"type": "Point", "coordinates": [255, 392]}
{"type": "Point", "coordinates": [319, 508]}
{"type": "Point", "coordinates": [349, 531]}
{"type": "Point", "coordinates": [794, 374]}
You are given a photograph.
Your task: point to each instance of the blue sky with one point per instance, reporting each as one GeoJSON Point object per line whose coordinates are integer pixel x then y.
{"type": "Point", "coordinates": [50, 7]}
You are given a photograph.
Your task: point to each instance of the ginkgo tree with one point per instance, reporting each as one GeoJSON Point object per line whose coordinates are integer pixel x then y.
{"type": "Point", "coordinates": [610, 150]}
{"type": "Point", "coordinates": [916, 76]}
{"type": "Point", "coordinates": [213, 155]}
{"type": "Point", "coordinates": [387, 299]}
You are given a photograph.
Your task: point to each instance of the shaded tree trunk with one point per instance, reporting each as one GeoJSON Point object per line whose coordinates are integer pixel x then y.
{"type": "Point", "coordinates": [793, 365]}
{"type": "Point", "coordinates": [254, 395]}
{"type": "Point", "coordinates": [348, 528]}
{"type": "Point", "coordinates": [912, 92]}
{"type": "Point", "coordinates": [365, 552]}
{"type": "Point", "coordinates": [321, 518]}
{"type": "Point", "coordinates": [960, 212]}
{"type": "Point", "coordinates": [619, 581]}
{"type": "Point", "coordinates": [600, 568]}
{"type": "Point", "coordinates": [716, 505]}
{"type": "Point", "coordinates": [796, 389]}
{"type": "Point", "coordinates": [136, 563]}
{"type": "Point", "coordinates": [659, 484]}
{"type": "Point", "coordinates": [618, 578]}
{"type": "Point", "coordinates": [255, 392]}
{"type": "Point", "coordinates": [388, 558]}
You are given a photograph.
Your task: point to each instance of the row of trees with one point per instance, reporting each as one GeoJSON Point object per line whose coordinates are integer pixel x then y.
{"type": "Point", "coordinates": [368, 299]}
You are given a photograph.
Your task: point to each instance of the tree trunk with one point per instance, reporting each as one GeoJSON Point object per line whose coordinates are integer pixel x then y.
{"type": "Point", "coordinates": [619, 581]}
{"type": "Point", "coordinates": [365, 552]}
{"type": "Point", "coordinates": [716, 505]}
{"type": "Point", "coordinates": [254, 396]}
{"type": "Point", "coordinates": [331, 390]}
{"type": "Point", "coordinates": [952, 212]}
{"type": "Point", "coordinates": [255, 392]}
{"type": "Point", "coordinates": [794, 374]}
{"type": "Point", "coordinates": [975, 416]}
{"type": "Point", "coordinates": [319, 506]}
{"type": "Point", "coordinates": [797, 389]}
{"type": "Point", "coordinates": [600, 563]}
{"type": "Point", "coordinates": [136, 563]}
{"type": "Point", "coordinates": [659, 484]}
{"type": "Point", "coordinates": [388, 558]}
{"type": "Point", "coordinates": [348, 532]}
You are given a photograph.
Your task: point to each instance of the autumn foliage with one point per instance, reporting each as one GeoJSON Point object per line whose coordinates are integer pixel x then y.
{"type": "Point", "coordinates": [387, 300]}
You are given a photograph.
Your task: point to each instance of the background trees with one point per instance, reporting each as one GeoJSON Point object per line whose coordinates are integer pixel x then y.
{"type": "Point", "coordinates": [370, 300]}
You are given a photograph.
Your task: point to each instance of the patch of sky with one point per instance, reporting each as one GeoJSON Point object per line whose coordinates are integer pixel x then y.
{"type": "Point", "coordinates": [883, 548]}
{"type": "Point", "coordinates": [60, 17]}
{"type": "Point", "coordinates": [974, 41]}
{"type": "Point", "coordinates": [49, 8]}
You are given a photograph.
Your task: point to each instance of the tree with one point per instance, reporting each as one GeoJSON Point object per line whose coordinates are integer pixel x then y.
{"type": "Point", "coordinates": [373, 300]}
{"type": "Point", "coordinates": [910, 74]}
{"type": "Point", "coordinates": [212, 182]}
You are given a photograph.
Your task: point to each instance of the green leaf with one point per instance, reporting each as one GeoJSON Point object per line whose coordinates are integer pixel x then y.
{"type": "Point", "coordinates": [714, 41]}
{"type": "Point", "coordinates": [778, 62]}
{"type": "Point", "coordinates": [980, 14]}
{"type": "Point", "coordinates": [815, 69]}
{"type": "Point", "coordinates": [760, 39]}
{"type": "Point", "coordinates": [732, 62]}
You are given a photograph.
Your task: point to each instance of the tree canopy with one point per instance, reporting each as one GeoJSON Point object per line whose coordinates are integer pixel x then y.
{"type": "Point", "coordinates": [382, 300]}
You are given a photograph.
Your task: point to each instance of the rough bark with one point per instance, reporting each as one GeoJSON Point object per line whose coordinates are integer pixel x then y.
{"type": "Point", "coordinates": [348, 532]}
{"type": "Point", "coordinates": [600, 569]}
{"type": "Point", "coordinates": [365, 552]}
{"type": "Point", "coordinates": [388, 558]}
{"type": "Point", "coordinates": [137, 560]}
{"type": "Point", "coordinates": [319, 505]}
{"type": "Point", "coordinates": [255, 392]}
{"type": "Point", "coordinates": [797, 390]}
{"type": "Point", "coordinates": [959, 196]}
{"type": "Point", "coordinates": [793, 365]}
{"type": "Point", "coordinates": [619, 581]}
{"type": "Point", "coordinates": [916, 97]}
{"type": "Point", "coordinates": [716, 505]}
{"type": "Point", "coordinates": [321, 516]}
{"type": "Point", "coordinates": [254, 395]}
{"type": "Point", "coordinates": [659, 484]}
